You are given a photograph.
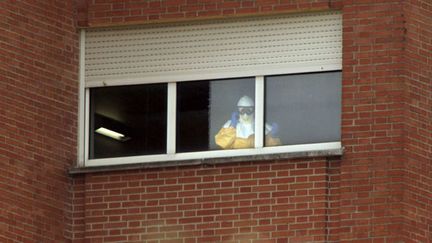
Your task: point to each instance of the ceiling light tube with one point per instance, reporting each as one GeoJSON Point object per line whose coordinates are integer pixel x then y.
{"type": "Point", "coordinates": [112, 134]}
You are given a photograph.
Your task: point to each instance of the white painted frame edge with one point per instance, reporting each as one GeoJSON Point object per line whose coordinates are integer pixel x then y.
{"type": "Point", "coordinates": [171, 118]}
{"type": "Point", "coordinates": [215, 75]}
{"type": "Point", "coordinates": [259, 112]}
{"type": "Point", "coordinates": [82, 125]}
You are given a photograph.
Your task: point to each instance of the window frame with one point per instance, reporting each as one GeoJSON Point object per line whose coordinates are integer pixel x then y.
{"type": "Point", "coordinates": [171, 155]}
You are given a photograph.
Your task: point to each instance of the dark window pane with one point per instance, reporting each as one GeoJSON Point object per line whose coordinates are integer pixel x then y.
{"type": "Point", "coordinates": [303, 108]}
{"type": "Point", "coordinates": [205, 108]}
{"type": "Point", "coordinates": [138, 112]}
{"type": "Point", "coordinates": [193, 116]}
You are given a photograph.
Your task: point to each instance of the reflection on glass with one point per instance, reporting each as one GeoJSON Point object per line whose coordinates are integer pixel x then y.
{"type": "Point", "coordinates": [303, 108]}
{"type": "Point", "coordinates": [209, 118]}
{"type": "Point", "coordinates": [128, 120]}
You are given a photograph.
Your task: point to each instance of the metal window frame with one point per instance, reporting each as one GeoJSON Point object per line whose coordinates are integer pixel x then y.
{"type": "Point", "coordinates": [82, 127]}
{"type": "Point", "coordinates": [171, 155]}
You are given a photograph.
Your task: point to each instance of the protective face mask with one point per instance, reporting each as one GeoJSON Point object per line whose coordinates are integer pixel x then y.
{"type": "Point", "coordinates": [248, 111]}
{"type": "Point", "coordinates": [246, 118]}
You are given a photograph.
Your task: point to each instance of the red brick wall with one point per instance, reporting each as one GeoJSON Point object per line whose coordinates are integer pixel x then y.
{"type": "Point", "coordinates": [38, 117]}
{"type": "Point", "coordinates": [109, 12]}
{"type": "Point", "coordinates": [371, 186]}
{"type": "Point", "coordinates": [230, 202]}
{"type": "Point", "coordinates": [418, 166]}
{"type": "Point", "coordinates": [379, 190]}
{"type": "Point", "coordinates": [266, 201]}
{"type": "Point", "coordinates": [363, 191]}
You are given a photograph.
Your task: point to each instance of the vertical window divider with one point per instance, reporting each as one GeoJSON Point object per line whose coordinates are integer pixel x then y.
{"type": "Point", "coordinates": [259, 111]}
{"type": "Point", "coordinates": [87, 125]}
{"type": "Point", "coordinates": [171, 118]}
{"type": "Point", "coordinates": [82, 110]}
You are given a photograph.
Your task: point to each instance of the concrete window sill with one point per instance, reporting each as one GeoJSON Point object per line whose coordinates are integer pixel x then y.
{"type": "Point", "coordinates": [208, 161]}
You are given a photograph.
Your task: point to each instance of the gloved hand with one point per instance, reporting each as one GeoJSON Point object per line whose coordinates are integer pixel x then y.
{"type": "Point", "coordinates": [234, 119]}
{"type": "Point", "coordinates": [275, 129]}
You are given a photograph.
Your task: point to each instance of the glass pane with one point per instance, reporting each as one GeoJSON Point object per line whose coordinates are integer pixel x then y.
{"type": "Point", "coordinates": [138, 112]}
{"type": "Point", "coordinates": [303, 108]}
{"type": "Point", "coordinates": [208, 117]}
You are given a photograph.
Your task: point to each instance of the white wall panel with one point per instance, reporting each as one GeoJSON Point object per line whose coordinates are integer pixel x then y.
{"type": "Point", "coordinates": [214, 49]}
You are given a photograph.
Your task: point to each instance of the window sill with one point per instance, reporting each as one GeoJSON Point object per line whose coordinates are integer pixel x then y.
{"type": "Point", "coordinates": [208, 161]}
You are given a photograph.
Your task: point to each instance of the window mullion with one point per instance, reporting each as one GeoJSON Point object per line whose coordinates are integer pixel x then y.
{"type": "Point", "coordinates": [87, 126]}
{"type": "Point", "coordinates": [171, 118]}
{"type": "Point", "coordinates": [259, 111]}
{"type": "Point", "coordinates": [83, 111]}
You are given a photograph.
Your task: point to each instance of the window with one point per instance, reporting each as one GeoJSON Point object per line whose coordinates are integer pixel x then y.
{"type": "Point", "coordinates": [306, 107]}
{"type": "Point", "coordinates": [203, 107]}
{"type": "Point", "coordinates": [137, 112]}
{"type": "Point", "coordinates": [213, 89]}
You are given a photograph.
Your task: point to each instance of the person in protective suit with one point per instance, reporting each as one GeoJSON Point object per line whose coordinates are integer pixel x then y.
{"type": "Point", "coordinates": [239, 131]}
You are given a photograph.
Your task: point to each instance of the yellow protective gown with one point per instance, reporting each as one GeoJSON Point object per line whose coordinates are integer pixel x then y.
{"type": "Point", "coordinates": [227, 138]}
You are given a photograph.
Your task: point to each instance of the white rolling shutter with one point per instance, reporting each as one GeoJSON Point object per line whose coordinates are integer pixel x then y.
{"type": "Point", "coordinates": [213, 49]}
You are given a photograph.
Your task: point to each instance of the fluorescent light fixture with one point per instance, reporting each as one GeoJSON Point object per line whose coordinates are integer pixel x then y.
{"type": "Point", "coordinates": [112, 134]}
